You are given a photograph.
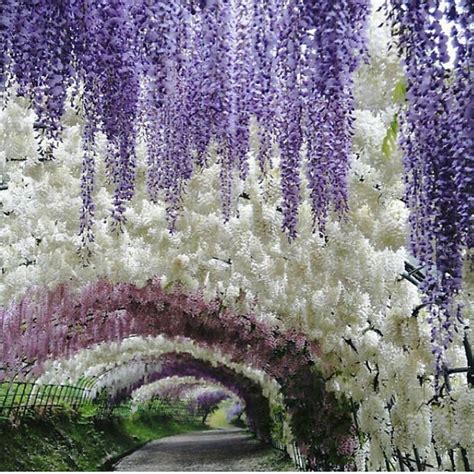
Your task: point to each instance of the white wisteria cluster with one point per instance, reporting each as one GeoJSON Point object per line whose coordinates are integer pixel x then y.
{"type": "Point", "coordinates": [136, 356]}
{"type": "Point", "coordinates": [118, 377]}
{"type": "Point", "coordinates": [149, 391]}
{"type": "Point", "coordinates": [342, 289]}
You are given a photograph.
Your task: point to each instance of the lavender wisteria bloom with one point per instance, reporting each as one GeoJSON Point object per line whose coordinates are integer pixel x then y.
{"type": "Point", "coordinates": [438, 154]}
{"type": "Point", "coordinates": [41, 53]}
{"type": "Point", "coordinates": [191, 75]}
{"type": "Point", "coordinates": [290, 134]}
{"type": "Point", "coordinates": [6, 23]}
{"type": "Point", "coordinates": [105, 64]}
{"type": "Point", "coordinates": [206, 401]}
{"type": "Point", "coordinates": [264, 39]}
{"type": "Point", "coordinates": [320, 46]}
{"type": "Point", "coordinates": [334, 42]}
{"type": "Point", "coordinates": [166, 46]}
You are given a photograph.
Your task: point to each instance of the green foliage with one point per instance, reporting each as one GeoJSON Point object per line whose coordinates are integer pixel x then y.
{"type": "Point", "coordinates": [389, 143]}
{"type": "Point", "coordinates": [65, 441]}
{"type": "Point", "coordinates": [399, 92]}
{"type": "Point", "coordinates": [278, 416]}
{"type": "Point", "coordinates": [218, 419]}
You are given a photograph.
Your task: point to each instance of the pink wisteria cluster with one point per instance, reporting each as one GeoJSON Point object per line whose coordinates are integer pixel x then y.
{"type": "Point", "coordinates": [48, 325]}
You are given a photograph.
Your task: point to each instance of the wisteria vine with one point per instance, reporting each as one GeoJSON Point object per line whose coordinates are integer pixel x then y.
{"type": "Point", "coordinates": [437, 143]}
{"type": "Point", "coordinates": [191, 75]}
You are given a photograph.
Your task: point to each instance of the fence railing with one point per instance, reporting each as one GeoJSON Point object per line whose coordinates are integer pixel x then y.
{"type": "Point", "coordinates": [17, 398]}
{"type": "Point", "coordinates": [295, 454]}
{"type": "Point", "coordinates": [173, 409]}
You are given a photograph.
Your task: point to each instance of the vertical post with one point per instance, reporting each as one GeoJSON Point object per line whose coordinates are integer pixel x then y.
{"type": "Point", "coordinates": [400, 461]}
{"type": "Point", "coordinates": [4, 398]}
{"type": "Point", "coordinates": [20, 401]}
{"type": "Point", "coordinates": [68, 394]}
{"type": "Point", "coordinates": [75, 397]}
{"type": "Point", "coordinates": [465, 459]}
{"type": "Point", "coordinates": [470, 362]}
{"type": "Point", "coordinates": [54, 397]}
{"type": "Point", "coordinates": [451, 458]}
{"type": "Point", "coordinates": [13, 398]}
{"type": "Point", "coordinates": [37, 387]}
{"type": "Point", "coordinates": [27, 404]}
{"type": "Point", "coordinates": [41, 393]}
{"type": "Point", "coordinates": [438, 457]}
{"type": "Point", "coordinates": [446, 379]}
{"type": "Point", "coordinates": [419, 465]}
{"type": "Point", "coordinates": [78, 396]}
{"type": "Point", "coordinates": [48, 396]}
{"type": "Point", "coordinates": [60, 394]}
{"type": "Point", "coordinates": [10, 385]}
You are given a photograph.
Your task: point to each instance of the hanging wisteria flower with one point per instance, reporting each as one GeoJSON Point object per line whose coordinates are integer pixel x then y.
{"type": "Point", "coordinates": [334, 45]}
{"type": "Point", "coordinates": [437, 170]}
{"type": "Point", "coordinates": [290, 137]}
{"type": "Point", "coordinates": [341, 289]}
{"type": "Point", "coordinates": [40, 43]}
{"type": "Point", "coordinates": [192, 75]}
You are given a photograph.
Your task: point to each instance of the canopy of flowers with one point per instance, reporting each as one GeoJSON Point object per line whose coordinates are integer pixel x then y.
{"type": "Point", "coordinates": [214, 188]}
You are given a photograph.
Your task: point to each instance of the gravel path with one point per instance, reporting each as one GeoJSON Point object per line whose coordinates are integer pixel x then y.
{"type": "Point", "coordinates": [213, 450]}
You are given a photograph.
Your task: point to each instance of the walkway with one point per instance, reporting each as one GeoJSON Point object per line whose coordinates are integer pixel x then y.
{"type": "Point", "coordinates": [213, 450]}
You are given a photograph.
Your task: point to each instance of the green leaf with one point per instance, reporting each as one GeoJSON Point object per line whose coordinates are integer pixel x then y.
{"type": "Point", "coordinates": [399, 92]}
{"type": "Point", "coordinates": [390, 140]}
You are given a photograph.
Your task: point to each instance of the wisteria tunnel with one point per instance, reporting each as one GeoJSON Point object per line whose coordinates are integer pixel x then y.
{"type": "Point", "coordinates": [242, 226]}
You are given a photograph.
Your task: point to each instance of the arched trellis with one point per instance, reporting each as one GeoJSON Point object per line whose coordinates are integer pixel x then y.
{"type": "Point", "coordinates": [141, 355]}
{"type": "Point", "coordinates": [174, 387]}
{"type": "Point", "coordinates": [184, 364]}
{"type": "Point", "coordinates": [59, 323]}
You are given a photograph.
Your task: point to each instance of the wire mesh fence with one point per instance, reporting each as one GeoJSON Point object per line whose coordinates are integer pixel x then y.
{"type": "Point", "coordinates": [177, 410]}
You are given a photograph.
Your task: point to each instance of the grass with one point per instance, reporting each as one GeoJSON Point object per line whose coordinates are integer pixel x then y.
{"type": "Point", "coordinates": [64, 441]}
{"type": "Point", "coordinates": [218, 419]}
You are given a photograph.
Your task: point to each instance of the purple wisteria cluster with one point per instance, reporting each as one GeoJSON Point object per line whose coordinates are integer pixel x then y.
{"type": "Point", "coordinates": [335, 45]}
{"type": "Point", "coordinates": [207, 401]}
{"type": "Point", "coordinates": [190, 74]}
{"type": "Point", "coordinates": [437, 144]}
{"type": "Point", "coordinates": [320, 45]}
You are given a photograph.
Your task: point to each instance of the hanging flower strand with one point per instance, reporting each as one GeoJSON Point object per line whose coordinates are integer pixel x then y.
{"type": "Point", "coordinates": [436, 174]}
{"type": "Point", "coordinates": [335, 44]}
{"type": "Point", "coordinates": [290, 137]}
{"type": "Point", "coordinates": [192, 75]}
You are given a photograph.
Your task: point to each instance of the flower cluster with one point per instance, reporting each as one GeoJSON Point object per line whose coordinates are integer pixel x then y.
{"type": "Point", "coordinates": [342, 290]}
{"type": "Point", "coordinates": [437, 154]}
{"type": "Point", "coordinates": [169, 388]}
{"type": "Point", "coordinates": [190, 76]}
{"type": "Point", "coordinates": [65, 322]}
{"type": "Point", "coordinates": [207, 400]}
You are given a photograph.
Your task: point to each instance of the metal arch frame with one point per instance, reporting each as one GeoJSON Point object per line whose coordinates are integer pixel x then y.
{"type": "Point", "coordinates": [415, 276]}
